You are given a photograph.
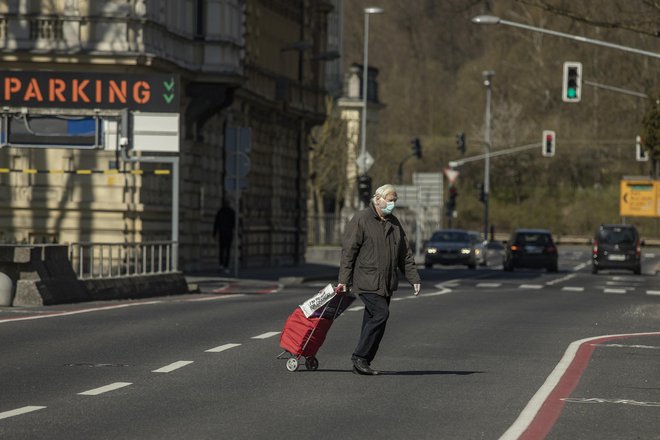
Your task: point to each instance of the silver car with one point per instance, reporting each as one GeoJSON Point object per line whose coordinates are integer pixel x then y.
{"type": "Point", "coordinates": [478, 247]}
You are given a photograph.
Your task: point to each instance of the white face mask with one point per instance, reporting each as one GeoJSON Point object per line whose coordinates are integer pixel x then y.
{"type": "Point", "coordinates": [387, 210]}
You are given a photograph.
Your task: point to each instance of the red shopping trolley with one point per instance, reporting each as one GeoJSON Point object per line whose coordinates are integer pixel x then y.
{"type": "Point", "coordinates": [303, 335]}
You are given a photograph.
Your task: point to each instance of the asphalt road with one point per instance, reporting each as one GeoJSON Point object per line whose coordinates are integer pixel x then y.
{"type": "Point", "coordinates": [480, 354]}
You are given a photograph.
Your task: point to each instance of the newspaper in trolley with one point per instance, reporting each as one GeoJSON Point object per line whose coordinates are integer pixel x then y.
{"type": "Point", "coordinates": [318, 300]}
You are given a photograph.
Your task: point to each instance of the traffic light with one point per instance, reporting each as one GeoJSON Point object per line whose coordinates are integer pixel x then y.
{"type": "Point", "coordinates": [364, 188]}
{"type": "Point", "coordinates": [460, 142]}
{"type": "Point", "coordinates": [572, 82]}
{"type": "Point", "coordinates": [548, 143]}
{"type": "Point", "coordinates": [640, 152]}
{"type": "Point", "coordinates": [416, 148]}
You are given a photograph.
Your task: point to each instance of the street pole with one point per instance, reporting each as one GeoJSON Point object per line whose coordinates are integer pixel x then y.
{"type": "Point", "coordinates": [491, 19]}
{"type": "Point", "coordinates": [365, 80]}
{"type": "Point", "coordinates": [487, 74]}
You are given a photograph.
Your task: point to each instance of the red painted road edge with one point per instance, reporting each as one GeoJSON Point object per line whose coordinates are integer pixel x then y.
{"type": "Point", "coordinates": [551, 403]}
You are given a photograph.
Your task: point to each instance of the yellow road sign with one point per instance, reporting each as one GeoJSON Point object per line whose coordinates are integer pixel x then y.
{"type": "Point", "coordinates": [638, 198]}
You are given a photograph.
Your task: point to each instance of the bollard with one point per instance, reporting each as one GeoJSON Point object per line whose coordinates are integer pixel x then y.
{"type": "Point", "coordinates": [6, 290]}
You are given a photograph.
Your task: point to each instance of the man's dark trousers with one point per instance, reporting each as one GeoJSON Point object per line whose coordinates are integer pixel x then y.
{"type": "Point", "coordinates": [374, 320]}
{"type": "Point", "coordinates": [224, 249]}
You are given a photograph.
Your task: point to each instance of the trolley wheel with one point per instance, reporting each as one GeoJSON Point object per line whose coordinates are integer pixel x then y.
{"type": "Point", "coordinates": [292, 364]}
{"type": "Point", "coordinates": [312, 363]}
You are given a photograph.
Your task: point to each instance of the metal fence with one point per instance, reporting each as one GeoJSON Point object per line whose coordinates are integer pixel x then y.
{"type": "Point", "coordinates": [106, 260]}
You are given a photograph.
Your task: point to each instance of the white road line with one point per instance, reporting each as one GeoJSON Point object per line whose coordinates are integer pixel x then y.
{"type": "Point", "coordinates": [559, 280]}
{"type": "Point", "coordinates": [653, 292]}
{"type": "Point", "coordinates": [266, 335]}
{"type": "Point", "coordinates": [105, 389]}
{"type": "Point", "coordinates": [398, 298]}
{"type": "Point", "coordinates": [580, 266]}
{"type": "Point", "coordinates": [355, 309]}
{"type": "Point", "coordinates": [77, 312]}
{"type": "Point", "coordinates": [173, 366]}
{"type": "Point", "coordinates": [214, 298]}
{"type": "Point", "coordinates": [113, 307]}
{"type": "Point", "coordinates": [620, 283]}
{"type": "Point", "coordinates": [649, 255]}
{"type": "Point", "coordinates": [220, 348]}
{"type": "Point", "coordinates": [531, 286]}
{"type": "Point", "coordinates": [616, 291]}
{"type": "Point", "coordinates": [19, 411]}
{"type": "Point", "coordinates": [489, 284]}
{"type": "Point", "coordinates": [651, 347]}
{"type": "Point", "coordinates": [573, 289]}
{"type": "Point", "coordinates": [533, 407]}
{"type": "Point", "coordinates": [616, 401]}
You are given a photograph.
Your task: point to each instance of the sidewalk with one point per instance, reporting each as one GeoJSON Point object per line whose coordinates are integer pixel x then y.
{"type": "Point", "coordinates": [321, 264]}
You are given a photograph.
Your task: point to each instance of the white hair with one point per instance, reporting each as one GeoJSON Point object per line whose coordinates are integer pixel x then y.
{"type": "Point", "coordinates": [384, 190]}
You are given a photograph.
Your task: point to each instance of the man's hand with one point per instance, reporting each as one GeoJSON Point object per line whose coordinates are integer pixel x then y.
{"type": "Point", "coordinates": [417, 287]}
{"type": "Point", "coordinates": [341, 288]}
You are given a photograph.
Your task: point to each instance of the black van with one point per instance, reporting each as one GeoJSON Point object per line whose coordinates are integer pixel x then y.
{"type": "Point", "coordinates": [617, 247]}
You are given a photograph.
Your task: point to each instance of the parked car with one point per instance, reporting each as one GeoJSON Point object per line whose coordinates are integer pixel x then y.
{"type": "Point", "coordinates": [531, 248]}
{"type": "Point", "coordinates": [478, 247]}
{"type": "Point", "coordinates": [617, 247]}
{"type": "Point", "coordinates": [450, 247]}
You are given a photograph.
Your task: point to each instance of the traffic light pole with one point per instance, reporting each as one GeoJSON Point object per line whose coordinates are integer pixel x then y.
{"type": "Point", "coordinates": [507, 151]}
{"type": "Point", "coordinates": [488, 74]}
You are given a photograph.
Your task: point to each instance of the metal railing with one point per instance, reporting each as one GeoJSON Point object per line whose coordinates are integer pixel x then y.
{"type": "Point", "coordinates": [106, 260]}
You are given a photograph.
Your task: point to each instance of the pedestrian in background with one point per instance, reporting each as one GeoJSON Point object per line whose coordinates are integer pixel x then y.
{"type": "Point", "coordinates": [374, 249]}
{"type": "Point", "coordinates": [223, 228]}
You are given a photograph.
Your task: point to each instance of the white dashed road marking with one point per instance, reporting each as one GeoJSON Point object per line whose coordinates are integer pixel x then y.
{"type": "Point", "coordinates": [19, 411]}
{"type": "Point", "coordinates": [573, 289]}
{"type": "Point", "coordinates": [173, 366]}
{"type": "Point", "coordinates": [559, 280]}
{"type": "Point", "coordinates": [489, 284]}
{"type": "Point", "coordinates": [105, 389]}
{"type": "Point", "coordinates": [355, 309]}
{"type": "Point", "coordinates": [616, 291]}
{"type": "Point", "coordinates": [531, 286]}
{"type": "Point", "coordinates": [653, 292]}
{"type": "Point", "coordinates": [266, 335]}
{"type": "Point", "coordinates": [222, 348]}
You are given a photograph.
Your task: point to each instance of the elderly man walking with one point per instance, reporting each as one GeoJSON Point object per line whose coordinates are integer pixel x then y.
{"type": "Point", "coordinates": [374, 249]}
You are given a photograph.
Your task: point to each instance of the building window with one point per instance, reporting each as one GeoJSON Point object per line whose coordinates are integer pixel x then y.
{"type": "Point", "coordinates": [46, 29]}
{"type": "Point", "coordinates": [199, 20]}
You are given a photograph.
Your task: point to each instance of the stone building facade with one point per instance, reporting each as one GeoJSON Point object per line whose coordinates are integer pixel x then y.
{"type": "Point", "coordinates": [260, 64]}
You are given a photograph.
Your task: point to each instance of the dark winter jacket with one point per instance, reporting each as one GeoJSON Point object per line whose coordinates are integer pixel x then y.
{"type": "Point", "coordinates": [373, 251]}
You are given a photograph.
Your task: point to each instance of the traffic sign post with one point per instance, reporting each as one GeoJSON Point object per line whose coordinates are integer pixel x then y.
{"type": "Point", "coordinates": [238, 144]}
{"type": "Point", "coordinates": [639, 198]}
{"type": "Point", "coordinates": [364, 161]}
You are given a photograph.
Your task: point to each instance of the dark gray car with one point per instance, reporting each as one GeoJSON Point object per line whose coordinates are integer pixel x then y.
{"type": "Point", "coordinates": [617, 247]}
{"type": "Point", "coordinates": [450, 247]}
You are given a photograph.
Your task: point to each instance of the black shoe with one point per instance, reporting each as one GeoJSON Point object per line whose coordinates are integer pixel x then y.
{"type": "Point", "coordinates": [361, 366]}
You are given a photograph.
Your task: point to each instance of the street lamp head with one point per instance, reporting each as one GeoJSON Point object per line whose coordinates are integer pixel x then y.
{"type": "Point", "coordinates": [374, 10]}
{"type": "Point", "coordinates": [486, 19]}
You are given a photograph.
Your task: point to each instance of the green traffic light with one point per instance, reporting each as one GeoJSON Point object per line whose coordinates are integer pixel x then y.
{"type": "Point", "coordinates": [571, 93]}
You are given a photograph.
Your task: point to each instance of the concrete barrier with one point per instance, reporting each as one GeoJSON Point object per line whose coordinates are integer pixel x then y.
{"type": "Point", "coordinates": [42, 275]}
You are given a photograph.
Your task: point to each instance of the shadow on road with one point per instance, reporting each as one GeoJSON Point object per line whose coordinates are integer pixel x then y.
{"type": "Point", "coordinates": [403, 373]}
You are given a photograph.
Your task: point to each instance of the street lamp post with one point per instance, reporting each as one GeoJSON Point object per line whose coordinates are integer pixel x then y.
{"type": "Point", "coordinates": [491, 19]}
{"type": "Point", "coordinates": [487, 74]}
{"type": "Point", "coordinates": [365, 74]}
